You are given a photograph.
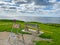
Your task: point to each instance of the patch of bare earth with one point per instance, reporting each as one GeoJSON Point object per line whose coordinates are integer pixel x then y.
{"type": "Point", "coordinates": [7, 38]}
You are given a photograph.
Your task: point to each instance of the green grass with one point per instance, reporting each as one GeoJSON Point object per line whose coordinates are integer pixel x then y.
{"type": "Point", "coordinates": [51, 31]}
{"type": "Point", "coordinates": [45, 35]}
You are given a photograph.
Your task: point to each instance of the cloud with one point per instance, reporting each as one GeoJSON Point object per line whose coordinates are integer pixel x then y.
{"type": "Point", "coordinates": [41, 7]}
{"type": "Point", "coordinates": [42, 2]}
{"type": "Point", "coordinates": [52, 1]}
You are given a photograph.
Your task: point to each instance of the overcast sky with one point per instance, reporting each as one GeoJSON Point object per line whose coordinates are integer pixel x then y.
{"type": "Point", "coordinates": [12, 9]}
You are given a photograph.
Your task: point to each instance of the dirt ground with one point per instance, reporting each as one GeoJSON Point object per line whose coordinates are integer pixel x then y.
{"type": "Point", "coordinates": [7, 38]}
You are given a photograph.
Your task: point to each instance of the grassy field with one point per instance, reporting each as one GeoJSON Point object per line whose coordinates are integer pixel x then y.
{"type": "Point", "coordinates": [51, 31]}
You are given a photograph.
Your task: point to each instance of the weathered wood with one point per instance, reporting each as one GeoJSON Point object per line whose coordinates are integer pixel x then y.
{"type": "Point", "coordinates": [26, 27]}
{"type": "Point", "coordinates": [38, 30]}
{"type": "Point", "coordinates": [33, 26]}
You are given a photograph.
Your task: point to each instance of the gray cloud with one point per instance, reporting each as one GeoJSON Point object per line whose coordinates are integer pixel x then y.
{"type": "Point", "coordinates": [31, 6]}
{"type": "Point", "coordinates": [42, 2]}
{"type": "Point", "coordinates": [37, 2]}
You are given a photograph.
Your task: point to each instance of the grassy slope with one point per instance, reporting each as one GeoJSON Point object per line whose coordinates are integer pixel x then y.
{"type": "Point", "coordinates": [52, 30]}
{"type": "Point", "coordinates": [54, 33]}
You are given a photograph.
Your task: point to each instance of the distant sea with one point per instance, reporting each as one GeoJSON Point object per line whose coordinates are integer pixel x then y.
{"type": "Point", "coordinates": [37, 19]}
